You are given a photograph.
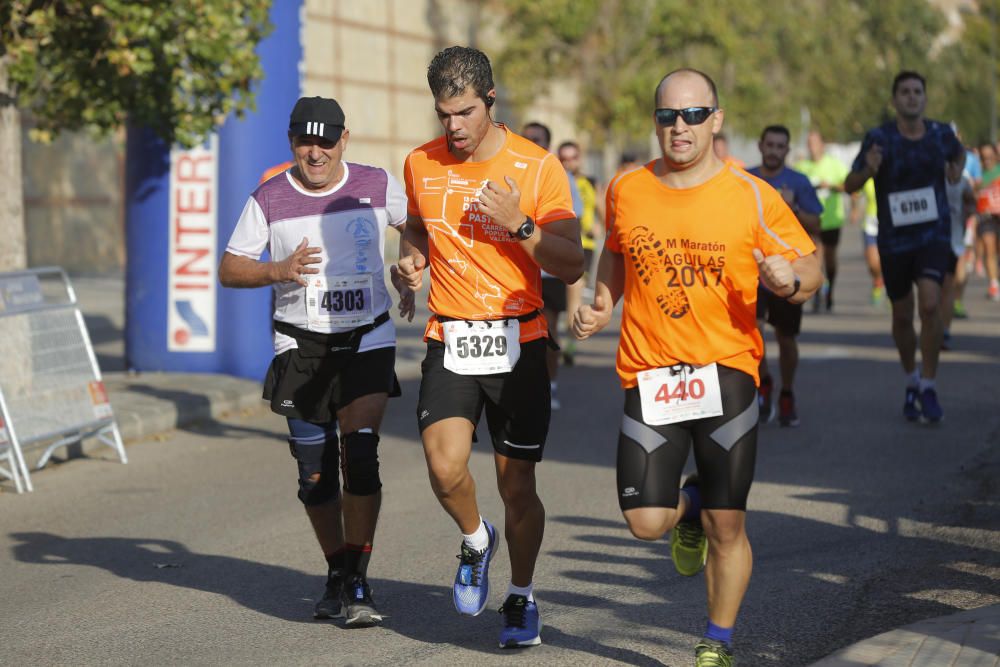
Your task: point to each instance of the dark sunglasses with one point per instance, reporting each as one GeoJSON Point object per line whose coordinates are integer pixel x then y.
{"type": "Point", "coordinates": [691, 115]}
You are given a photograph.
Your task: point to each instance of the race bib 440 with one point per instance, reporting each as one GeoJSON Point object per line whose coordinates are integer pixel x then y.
{"type": "Point", "coordinates": [679, 393]}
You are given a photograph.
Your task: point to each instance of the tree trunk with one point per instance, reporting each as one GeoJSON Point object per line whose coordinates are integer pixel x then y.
{"type": "Point", "coordinates": [13, 254]}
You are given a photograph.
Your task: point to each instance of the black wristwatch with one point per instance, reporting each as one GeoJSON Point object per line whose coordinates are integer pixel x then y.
{"type": "Point", "coordinates": [525, 231]}
{"type": "Point", "coordinates": [798, 284]}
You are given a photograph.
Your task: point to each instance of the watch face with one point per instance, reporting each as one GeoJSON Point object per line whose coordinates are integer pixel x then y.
{"type": "Point", "coordinates": [526, 230]}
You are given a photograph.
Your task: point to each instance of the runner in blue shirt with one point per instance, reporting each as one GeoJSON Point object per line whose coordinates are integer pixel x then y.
{"type": "Point", "coordinates": [786, 317]}
{"type": "Point", "coordinates": [909, 158]}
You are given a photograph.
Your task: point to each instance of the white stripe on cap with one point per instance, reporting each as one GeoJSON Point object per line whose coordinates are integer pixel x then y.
{"type": "Point", "coordinates": [321, 125]}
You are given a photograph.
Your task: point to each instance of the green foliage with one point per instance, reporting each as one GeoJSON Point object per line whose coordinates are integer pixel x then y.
{"type": "Point", "coordinates": [771, 61]}
{"type": "Point", "coordinates": [177, 66]}
{"type": "Point", "coordinates": [966, 76]}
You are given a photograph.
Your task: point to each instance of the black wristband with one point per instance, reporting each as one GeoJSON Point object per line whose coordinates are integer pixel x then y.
{"type": "Point", "coordinates": [795, 290]}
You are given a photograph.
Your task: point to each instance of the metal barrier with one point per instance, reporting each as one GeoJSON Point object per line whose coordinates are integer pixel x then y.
{"type": "Point", "coordinates": [50, 383]}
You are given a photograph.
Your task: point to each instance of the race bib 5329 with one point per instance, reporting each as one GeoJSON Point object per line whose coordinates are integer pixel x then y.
{"type": "Point", "coordinates": [481, 348]}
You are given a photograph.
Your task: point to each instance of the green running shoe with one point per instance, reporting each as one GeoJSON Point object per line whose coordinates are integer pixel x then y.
{"type": "Point", "coordinates": [688, 545]}
{"type": "Point", "coordinates": [710, 653]}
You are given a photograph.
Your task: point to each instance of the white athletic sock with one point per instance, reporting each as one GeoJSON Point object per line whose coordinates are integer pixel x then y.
{"type": "Point", "coordinates": [553, 386]}
{"type": "Point", "coordinates": [525, 591]}
{"type": "Point", "coordinates": [480, 538]}
{"type": "Point", "coordinates": [913, 379]}
{"type": "Point", "coordinates": [926, 384]}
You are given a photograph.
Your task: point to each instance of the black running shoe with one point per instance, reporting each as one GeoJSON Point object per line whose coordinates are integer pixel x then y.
{"type": "Point", "coordinates": [359, 608]}
{"type": "Point", "coordinates": [331, 604]}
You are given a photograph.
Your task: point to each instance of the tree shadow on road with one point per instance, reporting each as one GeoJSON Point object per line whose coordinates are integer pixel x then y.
{"type": "Point", "coordinates": [420, 612]}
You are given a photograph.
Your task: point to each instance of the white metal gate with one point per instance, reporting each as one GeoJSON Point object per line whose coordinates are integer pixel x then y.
{"type": "Point", "coordinates": [50, 384]}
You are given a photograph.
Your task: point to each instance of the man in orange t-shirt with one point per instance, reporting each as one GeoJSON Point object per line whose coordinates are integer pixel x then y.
{"type": "Point", "coordinates": [689, 237]}
{"type": "Point", "coordinates": [487, 210]}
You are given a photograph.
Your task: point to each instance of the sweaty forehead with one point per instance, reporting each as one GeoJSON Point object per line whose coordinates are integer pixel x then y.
{"type": "Point", "coordinates": [463, 100]}
{"type": "Point", "coordinates": [684, 89]}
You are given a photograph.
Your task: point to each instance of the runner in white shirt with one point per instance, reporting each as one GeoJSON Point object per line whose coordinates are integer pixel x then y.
{"type": "Point", "coordinates": [324, 222]}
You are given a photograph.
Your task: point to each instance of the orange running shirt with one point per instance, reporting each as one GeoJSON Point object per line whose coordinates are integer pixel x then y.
{"type": "Point", "coordinates": [478, 270]}
{"type": "Point", "coordinates": [690, 276]}
{"type": "Point", "coordinates": [271, 172]}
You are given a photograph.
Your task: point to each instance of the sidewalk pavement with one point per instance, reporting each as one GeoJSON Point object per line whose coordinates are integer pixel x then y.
{"type": "Point", "coordinates": [146, 404]}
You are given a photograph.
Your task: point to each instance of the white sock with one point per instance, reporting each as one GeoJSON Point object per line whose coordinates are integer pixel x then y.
{"type": "Point", "coordinates": [926, 384]}
{"type": "Point", "coordinates": [553, 386]}
{"type": "Point", "coordinates": [519, 590]}
{"type": "Point", "coordinates": [480, 538]}
{"type": "Point", "coordinates": [913, 380]}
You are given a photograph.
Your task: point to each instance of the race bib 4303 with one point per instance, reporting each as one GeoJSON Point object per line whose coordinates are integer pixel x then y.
{"type": "Point", "coordinates": [339, 302]}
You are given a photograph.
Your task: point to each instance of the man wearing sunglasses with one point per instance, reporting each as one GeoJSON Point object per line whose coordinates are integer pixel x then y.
{"type": "Point", "coordinates": [689, 237]}
{"type": "Point", "coordinates": [909, 159]}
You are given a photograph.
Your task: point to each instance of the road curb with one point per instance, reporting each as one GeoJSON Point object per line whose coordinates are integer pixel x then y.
{"type": "Point", "coordinates": [147, 404]}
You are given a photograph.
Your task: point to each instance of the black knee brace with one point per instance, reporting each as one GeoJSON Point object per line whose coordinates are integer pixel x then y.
{"type": "Point", "coordinates": [313, 460]}
{"type": "Point", "coordinates": [359, 461]}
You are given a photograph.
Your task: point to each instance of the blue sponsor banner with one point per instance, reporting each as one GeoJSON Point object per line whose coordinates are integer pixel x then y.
{"type": "Point", "coordinates": [181, 208]}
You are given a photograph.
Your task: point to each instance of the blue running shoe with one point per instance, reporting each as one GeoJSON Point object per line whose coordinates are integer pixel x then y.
{"type": "Point", "coordinates": [472, 581]}
{"type": "Point", "coordinates": [521, 624]}
{"type": "Point", "coordinates": [930, 407]}
{"type": "Point", "coordinates": [910, 408]}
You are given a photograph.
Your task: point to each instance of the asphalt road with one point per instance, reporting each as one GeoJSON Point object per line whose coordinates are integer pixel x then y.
{"type": "Point", "coordinates": [197, 551]}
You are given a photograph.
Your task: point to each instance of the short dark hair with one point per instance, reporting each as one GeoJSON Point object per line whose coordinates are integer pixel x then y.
{"type": "Point", "coordinates": [568, 144]}
{"type": "Point", "coordinates": [628, 157]}
{"type": "Point", "coordinates": [690, 70]}
{"type": "Point", "coordinates": [544, 128]}
{"type": "Point", "coordinates": [777, 129]}
{"type": "Point", "coordinates": [905, 75]}
{"type": "Point", "coordinates": [720, 136]}
{"type": "Point", "coordinates": [457, 68]}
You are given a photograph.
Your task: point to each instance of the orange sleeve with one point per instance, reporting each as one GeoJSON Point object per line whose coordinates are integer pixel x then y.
{"type": "Point", "coordinates": [411, 198]}
{"type": "Point", "coordinates": [779, 232]}
{"type": "Point", "coordinates": [552, 199]}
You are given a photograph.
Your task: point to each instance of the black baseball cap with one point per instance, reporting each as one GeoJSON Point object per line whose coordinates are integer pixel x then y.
{"type": "Point", "coordinates": [319, 116]}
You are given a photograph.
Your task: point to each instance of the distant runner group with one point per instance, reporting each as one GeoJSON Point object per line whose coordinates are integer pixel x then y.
{"type": "Point", "coordinates": [700, 252]}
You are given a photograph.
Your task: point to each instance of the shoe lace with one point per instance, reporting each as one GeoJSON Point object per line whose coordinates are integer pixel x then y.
{"type": "Point", "coordinates": [473, 560]}
{"type": "Point", "coordinates": [710, 655]}
{"type": "Point", "coordinates": [334, 584]}
{"type": "Point", "coordinates": [359, 589]}
{"type": "Point", "coordinates": [513, 611]}
{"type": "Point", "coordinates": [689, 534]}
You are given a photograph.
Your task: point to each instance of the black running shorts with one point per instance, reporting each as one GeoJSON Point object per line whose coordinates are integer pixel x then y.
{"type": "Point", "coordinates": [830, 237]}
{"type": "Point", "coordinates": [517, 403]}
{"type": "Point", "coordinates": [304, 384]}
{"type": "Point", "coordinates": [651, 458]}
{"type": "Point", "coordinates": [554, 295]}
{"type": "Point", "coordinates": [780, 313]}
{"type": "Point", "coordinates": [901, 269]}
{"type": "Point", "coordinates": [988, 224]}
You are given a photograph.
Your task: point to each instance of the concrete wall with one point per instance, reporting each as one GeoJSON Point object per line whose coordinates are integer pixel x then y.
{"type": "Point", "coordinates": [73, 213]}
{"type": "Point", "coordinates": [373, 57]}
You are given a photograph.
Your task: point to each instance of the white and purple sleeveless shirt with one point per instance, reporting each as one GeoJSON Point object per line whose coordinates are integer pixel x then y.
{"type": "Point", "coordinates": [348, 221]}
